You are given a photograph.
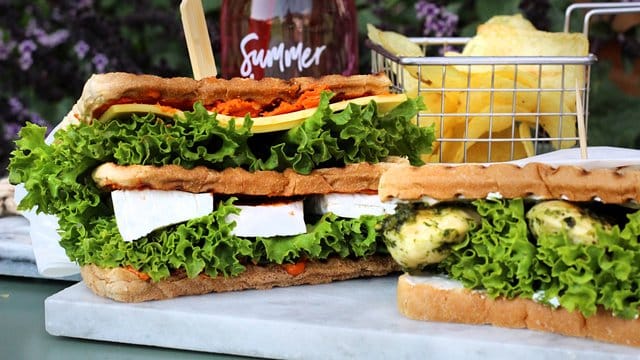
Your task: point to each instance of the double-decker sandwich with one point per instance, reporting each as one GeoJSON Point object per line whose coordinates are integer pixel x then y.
{"type": "Point", "coordinates": [550, 248]}
{"type": "Point", "coordinates": [170, 186]}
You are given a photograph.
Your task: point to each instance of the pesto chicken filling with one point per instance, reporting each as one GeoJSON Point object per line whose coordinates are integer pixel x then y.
{"type": "Point", "coordinates": [555, 252]}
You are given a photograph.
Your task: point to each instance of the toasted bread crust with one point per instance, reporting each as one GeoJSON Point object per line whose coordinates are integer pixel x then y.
{"type": "Point", "coordinates": [428, 302]}
{"type": "Point", "coordinates": [536, 180]}
{"type": "Point", "coordinates": [353, 178]}
{"type": "Point", "coordinates": [101, 90]}
{"type": "Point", "coordinates": [123, 285]}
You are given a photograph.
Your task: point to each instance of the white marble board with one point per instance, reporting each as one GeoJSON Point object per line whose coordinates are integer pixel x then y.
{"type": "Point", "coordinates": [349, 319]}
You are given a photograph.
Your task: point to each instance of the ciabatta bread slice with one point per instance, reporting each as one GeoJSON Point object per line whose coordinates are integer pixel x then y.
{"type": "Point", "coordinates": [437, 298]}
{"type": "Point", "coordinates": [124, 285]}
{"type": "Point", "coordinates": [534, 180]}
{"type": "Point", "coordinates": [351, 179]}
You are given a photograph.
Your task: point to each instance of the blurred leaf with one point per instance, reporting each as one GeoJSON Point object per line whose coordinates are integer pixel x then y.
{"type": "Point", "coordinates": [454, 7]}
{"type": "Point", "coordinates": [211, 5]}
{"type": "Point", "coordinates": [556, 16]}
{"type": "Point", "coordinates": [470, 29]}
{"type": "Point", "coordinates": [365, 17]}
{"type": "Point", "coordinates": [165, 4]}
{"type": "Point", "coordinates": [108, 4]}
{"type": "Point", "coordinates": [613, 114]}
{"type": "Point", "coordinates": [488, 8]}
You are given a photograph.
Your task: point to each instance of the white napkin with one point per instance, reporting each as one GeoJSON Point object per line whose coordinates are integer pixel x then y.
{"type": "Point", "coordinates": [50, 257]}
{"type": "Point", "coordinates": [52, 261]}
{"type": "Point", "coordinates": [598, 157]}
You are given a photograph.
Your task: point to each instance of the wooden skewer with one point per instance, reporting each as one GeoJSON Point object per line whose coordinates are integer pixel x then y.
{"type": "Point", "coordinates": [196, 33]}
{"type": "Point", "coordinates": [582, 131]}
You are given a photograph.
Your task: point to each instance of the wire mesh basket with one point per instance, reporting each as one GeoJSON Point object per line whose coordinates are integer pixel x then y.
{"type": "Point", "coordinates": [495, 108]}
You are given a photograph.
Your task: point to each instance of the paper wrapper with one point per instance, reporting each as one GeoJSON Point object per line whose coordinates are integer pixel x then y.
{"type": "Point", "coordinates": [599, 157]}
{"type": "Point", "coordinates": [50, 257]}
{"type": "Point", "coordinates": [52, 261]}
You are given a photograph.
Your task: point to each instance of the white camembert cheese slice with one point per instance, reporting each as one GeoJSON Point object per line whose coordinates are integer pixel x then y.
{"type": "Point", "coordinates": [139, 212]}
{"type": "Point", "coordinates": [351, 205]}
{"type": "Point", "coordinates": [281, 219]}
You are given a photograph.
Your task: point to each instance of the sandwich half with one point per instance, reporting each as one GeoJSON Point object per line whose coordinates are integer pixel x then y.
{"type": "Point", "coordinates": [169, 187]}
{"type": "Point", "coordinates": [546, 248]}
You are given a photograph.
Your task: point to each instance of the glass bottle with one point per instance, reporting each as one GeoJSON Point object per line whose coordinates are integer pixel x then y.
{"type": "Point", "coordinates": [288, 38]}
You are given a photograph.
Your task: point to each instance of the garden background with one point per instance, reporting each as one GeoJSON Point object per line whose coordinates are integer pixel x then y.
{"type": "Point", "coordinates": [48, 49]}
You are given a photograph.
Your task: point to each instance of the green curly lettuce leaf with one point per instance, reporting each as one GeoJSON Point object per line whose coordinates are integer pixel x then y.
{"type": "Point", "coordinates": [57, 178]}
{"type": "Point", "coordinates": [497, 256]}
{"type": "Point", "coordinates": [605, 274]}
{"type": "Point", "coordinates": [331, 235]}
{"type": "Point", "coordinates": [206, 245]}
{"type": "Point", "coordinates": [503, 260]}
{"type": "Point", "coordinates": [353, 135]}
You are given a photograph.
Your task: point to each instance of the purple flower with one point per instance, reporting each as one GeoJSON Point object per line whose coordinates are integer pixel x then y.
{"type": "Point", "coordinates": [15, 105]}
{"type": "Point", "coordinates": [33, 30]}
{"type": "Point", "coordinates": [81, 48]}
{"type": "Point", "coordinates": [35, 118]}
{"type": "Point", "coordinates": [54, 39]}
{"type": "Point", "coordinates": [425, 9]}
{"type": "Point", "coordinates": [438, 21]}
{"type": "Point", "coordinates": [27, 47]}
{"type": "Point", "coordinates": [25, 61]}
{"type": "Point", "coordinates": [82, 4]}
{"type": "Point", "coordinates": [100, 61]}
{"type": "Point", "coordinates": [21, 114]}
{"type": "Point", "coordinates": [11, 131]}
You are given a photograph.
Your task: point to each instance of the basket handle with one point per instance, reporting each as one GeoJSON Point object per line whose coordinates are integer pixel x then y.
{"type": "Point", "coordinates": [598, 8]}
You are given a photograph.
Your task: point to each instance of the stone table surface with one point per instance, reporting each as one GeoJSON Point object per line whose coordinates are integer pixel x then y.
{"type": "Point", "coordinates": [16, 252]}
{"type": "Point", "coordinates": [343, 320]}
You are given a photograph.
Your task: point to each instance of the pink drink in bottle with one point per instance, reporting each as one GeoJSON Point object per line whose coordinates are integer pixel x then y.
{"type": "Point", "coordinates": [288, 38]}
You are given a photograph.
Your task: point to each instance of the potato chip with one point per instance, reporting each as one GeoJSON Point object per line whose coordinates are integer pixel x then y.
{"type": "Point", "coordinates": [410, 84]}
{"type": "Point", "coordinates": [492, 150]}
{"type": "Point", "coordinates": [439, 76]}
{"type": "Point", "coordinates": [535, 143]}
{"type": "Point", "coordinates": [510, 36]}
{"type": "Point", "coordinates": [496, 112]}
{"type": "Point", "coordinates": [496, 150]}
{"type": "Point", "coordinates": [502, 40]}
{"type": "Point", "coordinates": [438, 102]}
{"type": "Point", "coordinates": [516, 21]}
{"type": "Point", "coordinates": [398, 44]}
{"type": "Point", "coordinates": [481, 126]}
{"type": "Point", "coordinates": [490, 88]}
{"type": "Point", "coordinates": [373, 33]}
{"type": "Point", "coordinates": [524, 132]}
{"type": "Point", "coordinates": [395, 43]}
{"type": "Point", "coordinates": [559, 126]}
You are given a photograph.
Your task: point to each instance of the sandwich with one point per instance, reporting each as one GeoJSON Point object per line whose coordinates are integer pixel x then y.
{"type": "Point", "coordinates": [548, 248]}
{"type": "Point", "coordinates": [166, 187]}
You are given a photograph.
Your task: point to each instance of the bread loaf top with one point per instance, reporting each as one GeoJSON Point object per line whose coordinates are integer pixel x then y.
{"type": "Point", "coordinates": [534, 180]}
{"type": "Point", "coordinates": [103, 90]}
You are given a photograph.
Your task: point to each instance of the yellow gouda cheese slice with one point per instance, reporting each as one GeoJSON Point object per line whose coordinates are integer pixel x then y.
{"type": "Point", "coordinates": [263, 124]}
